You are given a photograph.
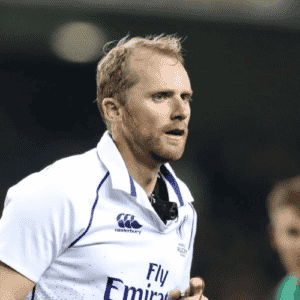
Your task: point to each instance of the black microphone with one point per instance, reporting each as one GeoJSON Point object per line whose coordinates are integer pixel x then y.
{"type": "Point", "coordinates": [165, 210]}
{"type": "Point", "coordinates": [160, 201]}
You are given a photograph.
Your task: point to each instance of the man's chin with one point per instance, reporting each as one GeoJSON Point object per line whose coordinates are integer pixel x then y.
{"type": "Point", "coordinates": [163, 158]}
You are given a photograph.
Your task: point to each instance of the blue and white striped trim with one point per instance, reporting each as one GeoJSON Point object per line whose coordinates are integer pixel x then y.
{"type": "Point", "coordinates": [167, 174]}
{"type": "Point", "coordinates": [132, 187]}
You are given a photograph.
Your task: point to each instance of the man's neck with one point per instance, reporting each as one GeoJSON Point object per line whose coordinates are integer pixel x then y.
{"type": "Point", "coordinates": [143, 170]}
{"type": "Point", "coordinates": [143, 175]}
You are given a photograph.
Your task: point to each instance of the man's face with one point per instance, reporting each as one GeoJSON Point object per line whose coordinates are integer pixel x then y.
{"type": "Point", "coordinates": [158, 104]}
{"type": "Point", "coordinates": [287, 238]}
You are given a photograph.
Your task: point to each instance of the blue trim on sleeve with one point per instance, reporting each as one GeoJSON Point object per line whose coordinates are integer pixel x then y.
{"type": "Point", "coordinates": [92, 212]}
{"type": "Point", "coordinates": [192, 233]}
{"type": "Point", "coordinates": [173, 183]}
{"type": "Point", "coordinates": [132, 187]}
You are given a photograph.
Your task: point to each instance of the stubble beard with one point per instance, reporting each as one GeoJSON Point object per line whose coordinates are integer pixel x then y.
{"type": "Point", "coordinates": [152, 150]}
{"type": "Point", "coordinates": [163, 156]}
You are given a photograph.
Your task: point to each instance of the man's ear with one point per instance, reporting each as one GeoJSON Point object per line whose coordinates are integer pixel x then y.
{"type": "Point", "coordinates": [271, 236]}
{"type": "Point", "coordinates": [111, 110]}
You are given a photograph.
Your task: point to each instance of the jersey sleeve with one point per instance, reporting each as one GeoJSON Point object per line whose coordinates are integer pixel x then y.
{"type": "Point", "coordinates": [36, 225]}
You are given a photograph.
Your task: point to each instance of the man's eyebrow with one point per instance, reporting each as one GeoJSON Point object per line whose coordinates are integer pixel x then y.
{"type": "Point", "coordinates": [190, 93]}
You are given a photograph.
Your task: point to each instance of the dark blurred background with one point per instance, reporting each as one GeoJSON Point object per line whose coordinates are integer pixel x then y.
{"type": "Point", "coordinates": [243, 62]}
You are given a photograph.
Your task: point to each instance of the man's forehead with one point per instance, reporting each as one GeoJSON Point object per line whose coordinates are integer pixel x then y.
{"type": "Point", "coordinates": [157, 70]}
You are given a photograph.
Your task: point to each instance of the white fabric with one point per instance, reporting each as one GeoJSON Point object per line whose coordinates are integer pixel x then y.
{"type": "Point", "coordinates": [82, 201]}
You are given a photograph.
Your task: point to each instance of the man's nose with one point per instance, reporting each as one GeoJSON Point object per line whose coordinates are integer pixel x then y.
{"type": "Point", "coordinates": [181, 108]}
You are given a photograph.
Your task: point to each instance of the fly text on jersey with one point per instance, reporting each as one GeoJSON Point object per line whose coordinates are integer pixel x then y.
{"type": "Point", "coordinates": [155, 274]}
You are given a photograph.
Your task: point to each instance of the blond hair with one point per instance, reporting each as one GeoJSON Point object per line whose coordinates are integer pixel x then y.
{"type": "Point", "coordinates": [113, 75]}
{"type": "Point", "coordinates": [285, 193]}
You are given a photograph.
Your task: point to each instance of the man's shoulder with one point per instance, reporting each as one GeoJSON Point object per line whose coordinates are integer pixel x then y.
{"type": "Point", "coordinates": [75, 164]}
{"type": "Point", "coordinates": [72, 171]}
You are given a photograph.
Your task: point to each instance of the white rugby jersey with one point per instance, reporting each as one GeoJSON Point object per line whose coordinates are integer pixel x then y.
{"type": "Point", "coordinates": [82, 228]}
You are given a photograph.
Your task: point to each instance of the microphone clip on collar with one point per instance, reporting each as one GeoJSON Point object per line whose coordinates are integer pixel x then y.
{"type": "Point", "coordinates": [166, 210]}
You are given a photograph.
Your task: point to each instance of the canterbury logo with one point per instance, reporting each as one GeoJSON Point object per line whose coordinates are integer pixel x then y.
{"type": "Point", "coordinates": [128, 221]}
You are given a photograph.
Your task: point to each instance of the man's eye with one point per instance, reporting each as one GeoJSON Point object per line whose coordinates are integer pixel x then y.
{"type": "Point", "coordinates": [160, 96]}
{"type": "Point", "coordinates": [187, 98]}
{"type": "Point", "coordinates": [293, 232]}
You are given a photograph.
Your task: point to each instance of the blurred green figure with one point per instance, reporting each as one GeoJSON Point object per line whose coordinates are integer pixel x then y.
{"type": "Point", "coordinates": [283, 205]}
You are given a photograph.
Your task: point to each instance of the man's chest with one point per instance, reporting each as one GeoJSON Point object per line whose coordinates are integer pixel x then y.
{"type": "Point", "coordinates": [137, 232]}
{"type": "Point", "coordinates": [125, 247]}
{"type": "Point", "coordinates": [129, 262]}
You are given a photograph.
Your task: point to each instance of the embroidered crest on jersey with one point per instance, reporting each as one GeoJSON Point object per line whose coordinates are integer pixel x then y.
{"type": "Point", "coordinates": [181, 249]}
{"type": "Point", "coordinates": [128, 221]}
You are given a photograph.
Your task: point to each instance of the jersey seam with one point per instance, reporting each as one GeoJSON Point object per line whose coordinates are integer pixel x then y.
{"type": "Point", "coordinates": [92, 212]}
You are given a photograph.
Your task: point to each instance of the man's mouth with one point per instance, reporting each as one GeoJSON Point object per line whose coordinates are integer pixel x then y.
{"type": "Point", "coordinates": [176, 132]}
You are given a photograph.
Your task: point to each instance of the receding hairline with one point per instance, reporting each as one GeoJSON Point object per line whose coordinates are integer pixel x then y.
{"type": "Point", "coordinates": [145, 54]}
{"type": "Point", "coordinates": [136, 56]}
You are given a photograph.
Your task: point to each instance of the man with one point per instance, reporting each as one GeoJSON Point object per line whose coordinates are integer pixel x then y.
{"type": "Point", "coordinates": [115, 222]}
{"type": "Point", "coordinates": [284, 231]}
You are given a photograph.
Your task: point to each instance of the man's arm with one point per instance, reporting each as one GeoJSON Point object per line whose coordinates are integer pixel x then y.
{"type": "Point", "coordinates": [13, 285]}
